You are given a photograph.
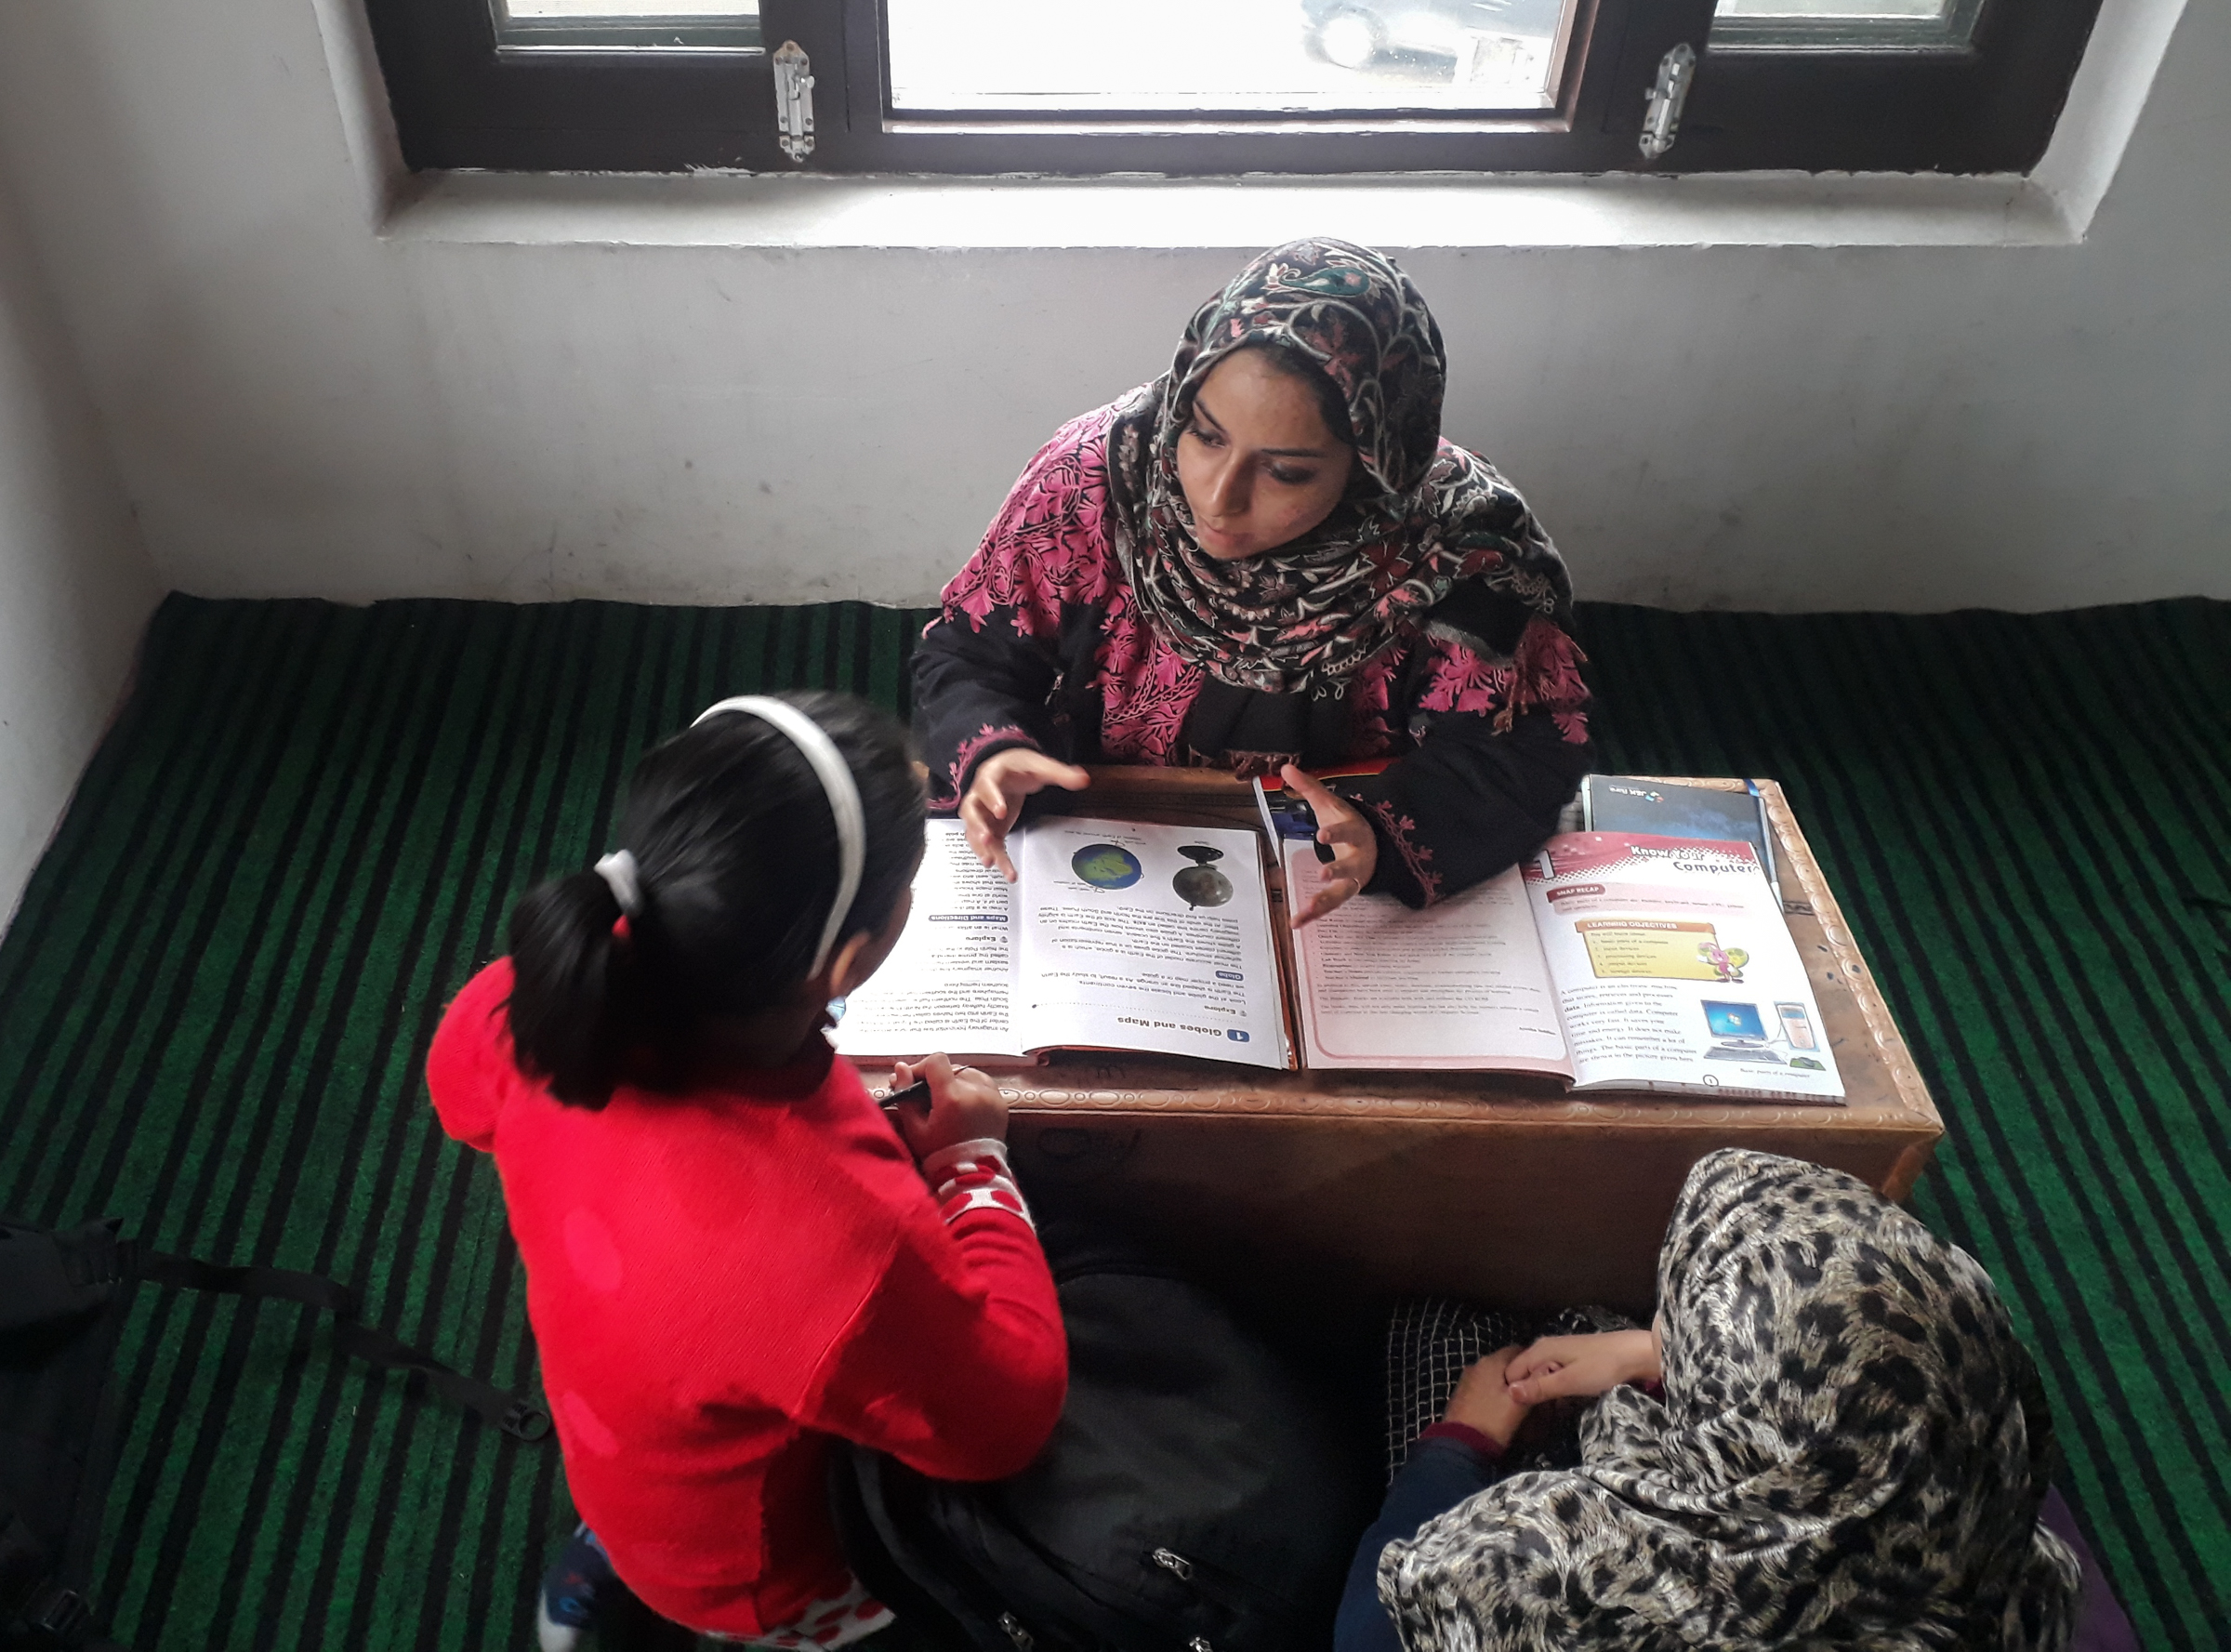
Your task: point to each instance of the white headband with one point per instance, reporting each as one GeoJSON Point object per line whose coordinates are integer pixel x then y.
{"type": "Point", "coordinates": [835, 778]}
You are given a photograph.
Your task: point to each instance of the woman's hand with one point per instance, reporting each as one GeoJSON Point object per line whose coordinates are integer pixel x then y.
{"type": "Point", "coordinates": [965, 1106]}
{"type": "Point", "coordinates": [1354, 846]}
{"type": "Point", "coordinates": [1483, 1399]}
{"type": "Point", "coordinates": [1563, 1367]}
{"type": "Point", "coordinates": [995, 798]}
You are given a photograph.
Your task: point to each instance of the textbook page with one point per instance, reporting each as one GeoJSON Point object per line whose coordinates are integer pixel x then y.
{"type": "Point", "coordinates": [1460, 985]}
{"type": "Point", "coordinates": [1147, 937]}
{"type": "Point", "coordinates": [949, 982]}
{"type": "Point", "coordinates": [1675, 970]}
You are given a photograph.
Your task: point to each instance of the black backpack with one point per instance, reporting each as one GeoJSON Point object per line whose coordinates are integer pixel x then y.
{"type": "Point", "coordinates": [1199, 1495]}
{"type": "Point", "coordinates": [63, 1298]}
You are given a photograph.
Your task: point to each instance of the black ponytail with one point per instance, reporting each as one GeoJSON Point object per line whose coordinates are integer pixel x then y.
{"type": "Point", "coordinates": [736, 855]}
{"type": "Point", "coordinates": [574, 1008]}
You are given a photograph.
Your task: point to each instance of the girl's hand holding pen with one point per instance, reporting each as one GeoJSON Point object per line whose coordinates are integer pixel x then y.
{"type": "Point", "coordinates": [915, 1095]}
{"type": "Point", "coordinates": [965, 1106]}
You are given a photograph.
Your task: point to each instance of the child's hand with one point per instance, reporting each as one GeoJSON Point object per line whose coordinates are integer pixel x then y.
{"type": "Point", "coordinates": [1483, 1399]}
{"type": "Point", "coordinates": [1562, 1368]}
{"type": "Point", "coordinates": [964, 1106]}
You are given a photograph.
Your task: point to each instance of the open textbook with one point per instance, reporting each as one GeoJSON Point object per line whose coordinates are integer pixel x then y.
{"type": "Point", "coordinates": [1616, 960]}
{"type": "Point", "coordinates": [1613, 961]}
{"type": "Point", "coordinates": [1115, 935]}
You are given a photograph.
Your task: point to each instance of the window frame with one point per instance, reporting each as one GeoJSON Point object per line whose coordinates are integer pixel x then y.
{"type": "Point", "coordinates": [463, 101]}
{"type": "Point", "coordinates": [1988, 106]}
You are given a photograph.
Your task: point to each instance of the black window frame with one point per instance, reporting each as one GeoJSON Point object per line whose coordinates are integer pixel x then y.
{"type": "Point", "coordinates": [463, 101]}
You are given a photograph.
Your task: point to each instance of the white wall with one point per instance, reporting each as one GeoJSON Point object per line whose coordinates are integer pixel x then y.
{"type": "Point", "coordinates": [298, 407]}
{"type": "Point", "coordinates": [75, 587]}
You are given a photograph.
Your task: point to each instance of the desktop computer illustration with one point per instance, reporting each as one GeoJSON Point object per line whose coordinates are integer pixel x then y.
{"type": "Point", "coordinates": [1742, 1035]}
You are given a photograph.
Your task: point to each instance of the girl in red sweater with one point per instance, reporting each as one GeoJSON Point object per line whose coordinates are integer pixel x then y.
{"type": "Point", "coordinates": [733, 1257]}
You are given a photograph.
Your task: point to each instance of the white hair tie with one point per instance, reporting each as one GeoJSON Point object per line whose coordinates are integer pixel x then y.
{"type": "Point", "coordinates": [624, 879]}
{"type": "Point", "coordinates": [836, 776]}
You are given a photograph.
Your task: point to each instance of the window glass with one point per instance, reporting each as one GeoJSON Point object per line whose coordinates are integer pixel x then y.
{"type": "Point", "coordinates": [644, 25]}
{"type": "Point", "coordinates": [1832, 23]}
{"type": "Point", "coordinates": [1056, 57]}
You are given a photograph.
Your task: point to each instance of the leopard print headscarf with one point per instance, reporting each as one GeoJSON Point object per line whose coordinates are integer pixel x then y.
{"type": "Point", "coordinates": [1843, 1457]}
{"type": "Point", "coordinates": [1421, 515]}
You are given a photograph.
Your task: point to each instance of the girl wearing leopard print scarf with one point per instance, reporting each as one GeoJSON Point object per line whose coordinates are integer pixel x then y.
{"type": "Point", "coordinates": [1831, 1440]}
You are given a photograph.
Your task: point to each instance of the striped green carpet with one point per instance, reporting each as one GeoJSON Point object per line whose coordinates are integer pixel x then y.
{"type": "Point", "coordinates": [303, 835]}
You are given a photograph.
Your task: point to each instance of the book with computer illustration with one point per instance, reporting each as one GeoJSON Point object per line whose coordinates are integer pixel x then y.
{"type": "Point", "coordinates": [1612, 961]}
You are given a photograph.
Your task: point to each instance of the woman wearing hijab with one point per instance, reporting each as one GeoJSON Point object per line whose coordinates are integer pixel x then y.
{"type": "Point", "coordinates": [1264, 560]}
{"type": "Point", "coordinates": [1830, 1440]}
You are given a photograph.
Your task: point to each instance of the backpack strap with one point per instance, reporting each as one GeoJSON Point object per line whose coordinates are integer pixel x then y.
{"type": "Point", "coordinates": [515, 1416]}
{"type": "Point", "coordinates": [312, 1290]}
{"type": "Point", "coordinates": [31, 1596]}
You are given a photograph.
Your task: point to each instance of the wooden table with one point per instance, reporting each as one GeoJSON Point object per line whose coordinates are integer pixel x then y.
{"type": "Point", "coordinates": [1494, 1188]}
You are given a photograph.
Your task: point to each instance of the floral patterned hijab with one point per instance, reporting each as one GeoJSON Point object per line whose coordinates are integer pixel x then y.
{"type": "Point", "coordinates": [1851, 1453]}
{"type": "Point", "coordinates": [1420, 517]}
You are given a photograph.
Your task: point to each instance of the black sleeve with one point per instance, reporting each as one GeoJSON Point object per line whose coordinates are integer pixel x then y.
{"type": "Point", "coordinates": [1468, 804]}
{"type": "Point", "coordinates": [977, 692]}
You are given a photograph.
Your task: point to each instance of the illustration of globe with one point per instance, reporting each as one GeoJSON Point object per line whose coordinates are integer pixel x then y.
{"type": "Point", "coordinates": [1107, 866]}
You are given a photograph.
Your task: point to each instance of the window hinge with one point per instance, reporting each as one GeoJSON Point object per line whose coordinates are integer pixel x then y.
{"type": "Point", "coordinates": [793, 99]}
{"type": "Point", "coordinates": [1661, 118]}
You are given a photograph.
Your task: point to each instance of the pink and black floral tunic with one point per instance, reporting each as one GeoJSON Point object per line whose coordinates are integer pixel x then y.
{"type": "Point", "coordinates": [1421, 622]}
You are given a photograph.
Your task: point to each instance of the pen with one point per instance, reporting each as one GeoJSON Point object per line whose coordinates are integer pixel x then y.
{"type": "Point", "coordinates": [915, 1095]}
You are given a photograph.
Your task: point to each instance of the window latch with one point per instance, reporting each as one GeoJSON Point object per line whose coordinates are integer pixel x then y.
{"type": "Point", "coordinates": [794, 101]}
{"type": "Point", "coordinates": [1661, 114]}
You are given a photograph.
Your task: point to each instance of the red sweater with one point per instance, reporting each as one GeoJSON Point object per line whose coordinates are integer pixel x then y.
{"type": "Point", "coordinates": [720, 1282]}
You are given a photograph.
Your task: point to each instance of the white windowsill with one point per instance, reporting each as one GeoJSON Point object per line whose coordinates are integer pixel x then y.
{"type": "Point", "coordinates": [1231, 215]}
{"type": "Point", "coordinates": [2053, 206]}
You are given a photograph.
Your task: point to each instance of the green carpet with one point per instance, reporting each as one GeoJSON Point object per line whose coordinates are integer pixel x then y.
{"type": "Point", "coordinates": [304, 831]}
